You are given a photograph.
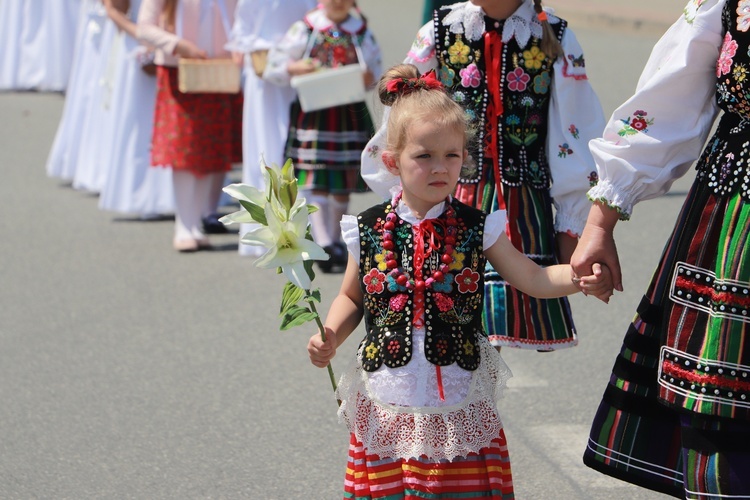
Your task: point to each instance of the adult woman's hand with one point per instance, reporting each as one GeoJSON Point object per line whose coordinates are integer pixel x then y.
{"type": "Point", "coordinates": [187, 49]}
{"type": "Point", "coordinates": [597, 244]}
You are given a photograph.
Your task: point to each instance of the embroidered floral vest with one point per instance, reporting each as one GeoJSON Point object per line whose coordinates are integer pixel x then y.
{"type": "Point", "coordinates": [335, 47]}
{"type": "Point", "coordinates": [724, 162]}
{"type": "Point", "coordinates": [524, 81]}
{"type": "Point", "coordinates": [452, 308]}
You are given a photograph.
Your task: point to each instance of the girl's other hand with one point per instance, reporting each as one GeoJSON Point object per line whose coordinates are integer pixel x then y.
{"type": "Point", "coordinates": [188, 50]}
{"type": "Point", "coordinates": [301, 67]}
{"type": "Point", "coordinates": [599, 284]}
{"type": "Point", "coordinates": [238, 58]}
{"type": "Point", "coordinates": [321, 353]}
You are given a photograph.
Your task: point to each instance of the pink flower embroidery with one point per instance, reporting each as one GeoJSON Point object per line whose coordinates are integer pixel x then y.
{"type": "Point", "coordinates": [467, 281]}
{"type": "Point", "coordinates": [470, 76]}
{"type": "Point", "coordinates": [517, 80]}
{"type": "Point", "coordinates": [743, 15]}
{"type": "Point", "coordinates": [728, 50]}
{"type": "Point", "coordinates": [444, 303]}
{"type": "Point", "coordinates": [375, 281]}
{"type": "Point", "coordinates": [398, 302]}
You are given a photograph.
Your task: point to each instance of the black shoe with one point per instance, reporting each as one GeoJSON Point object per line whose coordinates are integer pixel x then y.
{"type": "Point", "coordinates": [341, 257]}
{"type": "Point", "coordinates": [211, 225]}
{"type": "Point", "coordinates": [326, 266]}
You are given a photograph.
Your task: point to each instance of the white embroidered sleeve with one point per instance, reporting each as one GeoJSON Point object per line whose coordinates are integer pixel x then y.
{"type": "Point", "coordinates": [655, 136]}
{"type": "Point", "coordinates": [290, 48]}
{"type": "Point", "coordinates": [575, 117]}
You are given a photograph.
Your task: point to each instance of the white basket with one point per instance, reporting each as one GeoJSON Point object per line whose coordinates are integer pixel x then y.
{"type": "Point", "coordinates": [330, 87]}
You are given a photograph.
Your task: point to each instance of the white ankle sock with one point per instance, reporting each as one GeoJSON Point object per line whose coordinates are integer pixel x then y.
{"type": "Point", "coordinates": [319, 219]}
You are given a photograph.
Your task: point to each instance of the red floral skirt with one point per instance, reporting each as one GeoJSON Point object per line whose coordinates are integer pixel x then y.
{"type": "Point", "coordinates": [199, 133]}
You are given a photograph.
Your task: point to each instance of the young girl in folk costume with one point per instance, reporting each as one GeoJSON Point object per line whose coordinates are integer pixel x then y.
{"type": "Point", "coordinates": [198, 135]}
{"type": "Point", "coordinates": [326, 145]}
{"type": "Point", "coordinates": [675, 416]}
{"type": "Point", "coordinates": [519, 73]}
{"type": "Point", "coordinates": [420, 402]}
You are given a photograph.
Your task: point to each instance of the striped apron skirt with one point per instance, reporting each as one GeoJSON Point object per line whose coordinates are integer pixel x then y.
{"type": "Point", "coordinates": [511, 317]}
{"type": "Point", "coordinates": [326, 147]}
{"type": "Point", "coordinates": [485, 474]}
{"type": "Point", "coordinates": [675, 416]}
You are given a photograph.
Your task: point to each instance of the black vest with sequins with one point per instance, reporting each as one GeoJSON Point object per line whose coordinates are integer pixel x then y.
{"type": "Point", "coordinates": [725, 163]}
{"type": "Point", "coordinates": [526, 77]}
{"type": "Point", "coordinates": [452, 308]}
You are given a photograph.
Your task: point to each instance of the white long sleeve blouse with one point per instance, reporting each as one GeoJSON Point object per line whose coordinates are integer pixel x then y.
{"type": "Point", "coordinates": [654, 137]}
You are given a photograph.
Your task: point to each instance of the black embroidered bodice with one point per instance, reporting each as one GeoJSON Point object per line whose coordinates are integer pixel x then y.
{"type": "Point", "coordinates": [724, 163]}
{"type": "Point", "coordinates": [452, 308]}
{"type": "Point", "coordinates": [524, 77]}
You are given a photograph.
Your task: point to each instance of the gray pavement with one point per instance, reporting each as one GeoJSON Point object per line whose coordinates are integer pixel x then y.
{"type": "Point", "coordinates": [128, 371]}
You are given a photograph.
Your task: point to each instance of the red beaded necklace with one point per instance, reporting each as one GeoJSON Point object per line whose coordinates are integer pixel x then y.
{"type": "Point", "coordinates": [418, 282]}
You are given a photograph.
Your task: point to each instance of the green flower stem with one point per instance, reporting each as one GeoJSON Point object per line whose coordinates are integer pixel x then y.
{"type": "Point", "coordinates": [322, 330]}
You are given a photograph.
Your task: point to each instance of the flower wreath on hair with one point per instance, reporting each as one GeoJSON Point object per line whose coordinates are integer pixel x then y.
{"type": "Point", "coordinates": [405, 86]}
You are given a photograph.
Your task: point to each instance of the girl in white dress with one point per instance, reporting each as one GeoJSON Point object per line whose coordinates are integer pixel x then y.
{"type": "Point", "coordinates": [258, 26]}
{"type": "Point", "coordinates": [38, 41]}
{"type": "Point", "coordinates": [131, 186]}
{"type": "Point", "coordinates": [63, 156]}
{"type": "Point", "coordinates": [95, 132]}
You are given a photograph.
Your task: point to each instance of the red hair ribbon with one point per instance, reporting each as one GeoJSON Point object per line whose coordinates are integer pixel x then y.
{"type": "Point", "coordinates": [408, 85]}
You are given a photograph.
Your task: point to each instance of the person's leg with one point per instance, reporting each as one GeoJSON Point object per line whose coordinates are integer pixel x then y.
{"type": "Point", "coordinates": [319, 226]}
{"type": "Point", "coordinates": [186, 215]}
{"type": "Point", "coordinates": [206, 188]}
{"type": "Point", "coordinates": [339, 204]}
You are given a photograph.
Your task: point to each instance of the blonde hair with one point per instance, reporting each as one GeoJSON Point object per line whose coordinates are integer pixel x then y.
{"type": "Point", "coordinates": [550, 44]}
{"type": "Point", "coordinates": [416, 103]}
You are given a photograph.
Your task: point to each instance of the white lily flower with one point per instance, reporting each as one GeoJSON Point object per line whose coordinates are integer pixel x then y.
{"type": "Point", "coordinates": [286, 244]}
{"type": "Point", "coordinates": [238, 217]}
{"type": "Point", "coordinates": [246, 192]}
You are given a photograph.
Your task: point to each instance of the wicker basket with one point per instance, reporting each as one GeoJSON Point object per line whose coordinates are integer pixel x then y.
{"type": "Point", "coordinates": [208, 76]}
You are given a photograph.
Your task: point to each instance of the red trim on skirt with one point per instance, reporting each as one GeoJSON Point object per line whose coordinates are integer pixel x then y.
{"type": "Point", "coordinates": [199, 133]}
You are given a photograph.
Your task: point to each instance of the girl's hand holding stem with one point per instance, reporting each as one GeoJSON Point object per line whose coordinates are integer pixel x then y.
{"type": "Point", "coordinates": [321, 353]}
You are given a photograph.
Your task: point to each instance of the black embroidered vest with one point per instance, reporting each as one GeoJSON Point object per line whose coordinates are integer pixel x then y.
{"type": "Point", "coordinates": [724, 164]}
{"type": "Point", "coordinates": [526, 76]}
{"type": "Point", "coordinates": [335, 47]}
{"type": "Point", "coordinates": [452, 308]}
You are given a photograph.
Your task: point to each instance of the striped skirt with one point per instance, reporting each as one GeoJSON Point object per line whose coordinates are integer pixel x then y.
{"type": "Point", "coordinates": [326, 147]}
{"type": "Point", "coordinates": [513, 318]}
{"type": "Point", "coordinates": [200, 133]}
{"type": "Point", "coordinates": [675, 416]}
{"type": "Point", "coordinates": [483, 475]}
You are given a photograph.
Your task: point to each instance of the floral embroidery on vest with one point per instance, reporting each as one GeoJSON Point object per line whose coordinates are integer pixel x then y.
{"type": "Point", "coordinates": [444, 296]}
{"type": "Point", "coordinates": [724, 163]}
{"type": "Point", "coordinates": [525, 77]}
{"type": "Point", "coordinates": [335, 47]}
